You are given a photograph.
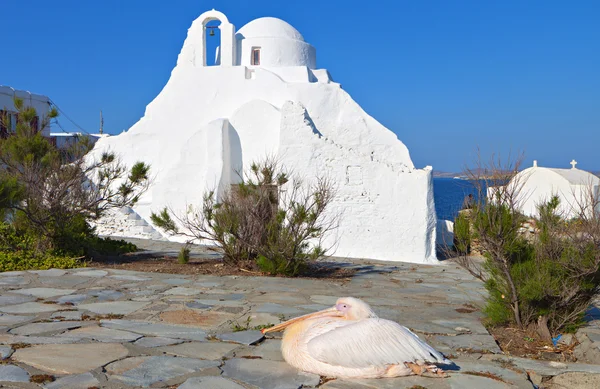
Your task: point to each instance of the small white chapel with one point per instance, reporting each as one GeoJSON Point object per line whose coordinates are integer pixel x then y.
{"type": "Point", "coordinates": [266, 95]}
{"type": "Point", "coordinates": [575, 188]}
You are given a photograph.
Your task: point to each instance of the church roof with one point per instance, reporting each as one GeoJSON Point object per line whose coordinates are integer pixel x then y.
{"type": "Point", "coordinates": [576, 176]}
{"type": "Point", "coordinates": [269, 27]}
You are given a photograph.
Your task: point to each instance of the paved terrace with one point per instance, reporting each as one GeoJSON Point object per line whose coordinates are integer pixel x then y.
{"type": "Point", "coordinates": [122, 329]}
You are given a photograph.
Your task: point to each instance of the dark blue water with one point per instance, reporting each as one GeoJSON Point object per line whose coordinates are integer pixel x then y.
{"type": "Point", "coordinates": [449, 195]}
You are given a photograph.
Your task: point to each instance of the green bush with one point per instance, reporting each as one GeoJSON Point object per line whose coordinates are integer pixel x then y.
{"type": "Point", "coordinates": [24, 260]}
{"type": "Point", "coordinates": [545, 282]}
{"type": "Point", "coordinates": [462, 234]}
{"type": "Point", "coordinates": [184, 255]}
{"type": "Point", "coordinates": [48, 197]}
{"type": "Point", "coordinates": [109, 246]}
{"type": "Point", "coordinates": [257, 220]}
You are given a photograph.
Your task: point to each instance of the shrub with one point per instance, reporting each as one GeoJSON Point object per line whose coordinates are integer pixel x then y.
{"type": "Point", "coordinates": [462, 234]}
{"type": "Point", "coordinates": [49, 196]}
{"type": "Point", "coordinates": [27, 260]}
{"type": "Point", "coordinates": [184, 255]}
{"type": "Point", "coordinates": [269, 218]}
{"type": "Point", "coordinates": [546, 282]}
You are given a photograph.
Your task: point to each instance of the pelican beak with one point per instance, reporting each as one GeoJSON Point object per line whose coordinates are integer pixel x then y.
{"type": "Point", "coordinates": [329, 312]}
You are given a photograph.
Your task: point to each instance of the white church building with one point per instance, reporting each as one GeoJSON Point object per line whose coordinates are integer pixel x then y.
{"type": "Point", "coordinates": [265, 95]}
{"type": "Point", "coordinates": [574, 187]}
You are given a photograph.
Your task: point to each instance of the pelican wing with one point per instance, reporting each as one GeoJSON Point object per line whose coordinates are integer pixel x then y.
{"type": "Point", "coordinates": [372, 342]}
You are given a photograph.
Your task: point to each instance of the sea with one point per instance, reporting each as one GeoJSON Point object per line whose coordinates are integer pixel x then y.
{"type": "Point", "coordinates": [449, 194]}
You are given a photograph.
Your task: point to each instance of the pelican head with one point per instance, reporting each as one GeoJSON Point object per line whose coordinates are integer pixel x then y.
{"type": "Point", "coordinates": [345, 308]}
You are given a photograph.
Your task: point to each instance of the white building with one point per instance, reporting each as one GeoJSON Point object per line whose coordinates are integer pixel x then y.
{"type": "Point", "coordinates": [267, 96]}
{"type": "Point", "coordinates": [41, 104]}
{"type": "Point", "coordinates": [64, 140]}
{"type": "Point", "coordinates": [574, 187]}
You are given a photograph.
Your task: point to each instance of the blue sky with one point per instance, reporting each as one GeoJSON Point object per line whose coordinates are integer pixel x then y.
{"type": "Point", "coordinates": [446, 76]}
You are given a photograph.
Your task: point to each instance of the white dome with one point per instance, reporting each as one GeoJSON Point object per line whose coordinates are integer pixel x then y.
{"type": "Point", "coordinates": [269, 27]}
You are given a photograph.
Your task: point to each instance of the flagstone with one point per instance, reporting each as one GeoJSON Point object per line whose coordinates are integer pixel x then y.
{"type": "Point", "coordinates": [8, 320]}
{"type": "Point", "coordinates": [5, 352]}
{"type": "Point", "coordinates": [49, 272]}
{"type": "Point", "coordinates": [70, 358]}
{"type": "Point", "coordinates": [8, 299]}
{"type": "Point", "coordinates": [130, 278]}
{"type": "Point", "coordinates": [44, 292]}
{"type": "Point", "coordinates": [11, 373]}
{"type": "Point", "coordinates": [79, 381]}
{"type": "Point", "coordinates": [209, 382]}
{"type": "Point", "coordinates": [92, 273]}
{"type": "Point", "coordinates": [114, 307]}
{"type": "Point", "coordinates": [202, 350]}
{"type": "Point", "coordinates": [156, 329]}
{"type": "Point", "coordinates": [67, 315]}
{"type": "Point", "coordinates": [12, 339]}
{"type": "Point", "coordinates": [268, 374]}
{"type": "Point", "coordinates": [242, 337]}
{"type": "Point", "coordinates": [31, 307]}
{"type": "Point", "coordinates": [145, 371]}
{"type": "Point", "coordinates": [102, 334]}
{"type": "Point", "coordinates": [40, 328]}
{"type": "Point", "coordinates": [151, 342]}
{"type": "Point", "coordinates": [17, 280]}
{"type": "Point", "coordinates": [182, 291]}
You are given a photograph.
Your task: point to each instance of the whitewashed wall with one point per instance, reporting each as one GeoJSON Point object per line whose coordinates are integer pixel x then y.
{"type": "Point", "coordinates": [315, 127]}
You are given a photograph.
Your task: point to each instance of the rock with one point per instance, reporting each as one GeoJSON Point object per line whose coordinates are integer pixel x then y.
{"type": "Point", "coordinates": [176, 281]}
{"type": "Point", "coordinates": [13, 281]}
{"type": "Point", "coordinates": [156, 342]}
{"type": "Point", "coordinates": [73, 299]}
{"type": "Point", "coordinates": [49, 272]}
{"type": "Point", "coordinates": [573, 380]}
{"type": "Point", "coordinates": [45, 292]}
{"type": "Point", "coordinates": [206, 319]}
{"type": "Point", "coordinates": [67, 315]}
{"type": "Point", "coordinates": [8, 299]}
{"type": "Point", "coordinates": [114, 307]}
{"type": "Point", "coordinates": [11, 339]}
{"type": "Point", "coordinates": [104, 295]}
{"type": "Point", "coordinates": [277, 309]}
{"type": "Point", "coordinates": [182, 291]}
{"type": "Point", "coordinates": [9, 320]}
{"type": "Point", "coordinates": [204, 350]}
{"type": "Point", "coordinates": [31, 308]}
{"type": "Point", "coordinates": [268, 374]}
{"type": "Point", "coordinates": [130, 278]}
{"type": "Point", "coordinates": [544, 368]}
{"type": "Point", "coordinates": [209, 383]}
{"type": "Point", "coordinates": [5, 352]}
{"type": "Point", "coordinates": [92, 273]}
{"type": "Point", "coordinates": [473, 342]}
{"type": "Point", "coordinates": [11, 373]}
{"type": "Point", "coordinates": [40, 328]}
{"type": "Point", "coordinates": [102, 334]}
{"type": "Point", "coordinates": [242, 337]}
{"type": "Point", "coordinates": [145, 371]}
{"type": "Point", "coordinates": [473, 381]}
{"type": "Point", "coordinates": [79, 381]}
{"type": "Point", "coordinates": [197, 305]}
{"type": "Point", "coordinates": [70, 358]}
{"type": "Point", "coordinates": [269, 349]}
{"type": "Point", "coordinates": [156, 329]}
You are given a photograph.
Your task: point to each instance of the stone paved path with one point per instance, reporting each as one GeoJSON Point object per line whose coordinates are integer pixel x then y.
{"type": "Point", "coordinates": [120, 329]}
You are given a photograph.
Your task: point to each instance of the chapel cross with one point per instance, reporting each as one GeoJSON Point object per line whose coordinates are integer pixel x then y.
{"type": "Point", "coordinates": [573, 163]}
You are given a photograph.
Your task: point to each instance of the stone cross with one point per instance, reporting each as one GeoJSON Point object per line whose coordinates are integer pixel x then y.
{"type": "Point", "coordinates": [573, 163]}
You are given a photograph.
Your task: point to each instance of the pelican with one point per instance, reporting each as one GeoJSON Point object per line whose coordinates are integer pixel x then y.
{"type": "Point", "coordinates": [348, 340]}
